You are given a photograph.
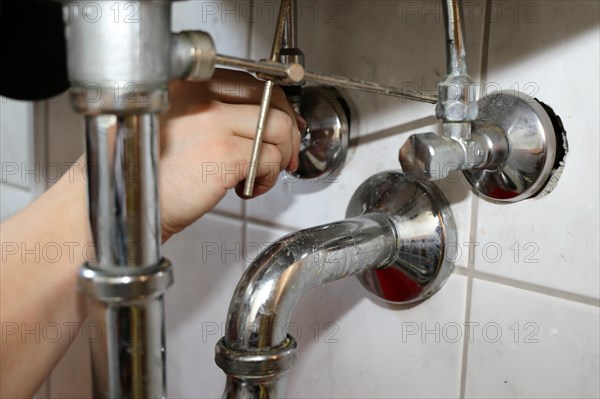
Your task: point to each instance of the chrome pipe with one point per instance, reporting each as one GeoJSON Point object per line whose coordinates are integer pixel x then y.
{"type": "Point", "coordinates": [119, 66]}
{"type": "Point", "coordinates": [281, 275]}
{"type": "Point", "coordinates": [265, 297]}
{"type": "Point", "coordinates": [397, 231]}
{"type": "Point", "coordinates": [122, 154]}
{"type": "Point", "coordinates": [126, 281]}
{"type": "Point", "coordinates": [455, 38]}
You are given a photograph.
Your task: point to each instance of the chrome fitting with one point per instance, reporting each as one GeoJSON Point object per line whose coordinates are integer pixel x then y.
{"type": "Point", "coordinates": [265, 363]}
{"type": "Point", "coordinates": [457, 99]}
{"type": "Point", "coordinates": [123, 284]}
{"type": "Point", "coordinates": [193, 56]}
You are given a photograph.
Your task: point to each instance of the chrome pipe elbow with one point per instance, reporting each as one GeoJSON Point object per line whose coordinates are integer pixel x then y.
{"type": "Point", "coordinates": [397, 240]}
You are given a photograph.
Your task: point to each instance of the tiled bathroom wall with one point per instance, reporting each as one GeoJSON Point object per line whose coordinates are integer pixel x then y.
{"type": "Point", "coordinates": [16, 155]}
{"type": "Point", "coordinates": [520, 317]}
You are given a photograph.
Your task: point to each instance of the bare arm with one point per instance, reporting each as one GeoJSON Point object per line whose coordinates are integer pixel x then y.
{"type": "Point", "coordinates": [38, 289]}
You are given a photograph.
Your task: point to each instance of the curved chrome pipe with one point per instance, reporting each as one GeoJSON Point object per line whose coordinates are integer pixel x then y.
{"type": "Point", "coordinates": [404, 227]}
{"type": "Point", "coordinates": [281, 275]}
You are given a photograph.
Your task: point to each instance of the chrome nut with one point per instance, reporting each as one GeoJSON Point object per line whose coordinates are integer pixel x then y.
{"type": "Point", "coordinates": [457, 99]}
{"type": "Point", "coordinates": [428, 156]}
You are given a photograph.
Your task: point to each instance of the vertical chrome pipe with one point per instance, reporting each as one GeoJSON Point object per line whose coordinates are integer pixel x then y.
{"type": "Point", "coordinates": [128, 359]}
{"type": "Point", "coordinates": [119, 56]}
{"type": "Point", "coordinates": [455, 37]}
{"type": "Point", "coordinates": [122, 152]}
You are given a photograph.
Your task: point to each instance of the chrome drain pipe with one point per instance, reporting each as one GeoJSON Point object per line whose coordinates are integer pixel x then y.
{"type": "Point", "coordinates": [127, 279]}
{"type": "Point", "coordinates": [120, 62]}
{"type": "Point", "coordinates": [394, 227]}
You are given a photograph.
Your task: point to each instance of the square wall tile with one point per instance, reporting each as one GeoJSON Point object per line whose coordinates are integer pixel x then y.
{"type": "Point", "coordinates": [530, 345]}
{"type": "Point", "coordinates": [16, 142]}
{"type": "Point", "coordinates": [228, 22]}
{"type": "Point", "coordinates": [207, 263]}
{"type": "Point", "coordinates": [353, 346]}
{"type": "Point", "coordinates": [553, 240]}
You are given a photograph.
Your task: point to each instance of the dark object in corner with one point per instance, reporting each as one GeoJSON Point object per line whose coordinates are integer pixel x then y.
{"type": "Point", "coordinates": [32, 49]}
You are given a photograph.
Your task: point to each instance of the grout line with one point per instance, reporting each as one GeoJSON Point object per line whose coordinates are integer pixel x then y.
{"type": "Point", "coordinates": [249, 41]}
{"type": "Point", "coordinates": [523, 285]}
{"type": "Point", "coordinates": [272, 225]}
{"type": "Point", "coordinates": [227, 214]}
{"type": "Point", "coordinates": [485, 45]}
{"type": "Point", "coordinates": [248, 219]}
{"type": "Point", "coordinates": [539, 289]}
{"type": "Point", "coordinates": [470, 272]}
{"type": "Point", "coordinates": [466, 338]}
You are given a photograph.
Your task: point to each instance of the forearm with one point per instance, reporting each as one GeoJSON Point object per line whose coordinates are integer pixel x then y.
{"type": "Point", "coordinates": [42, 249]}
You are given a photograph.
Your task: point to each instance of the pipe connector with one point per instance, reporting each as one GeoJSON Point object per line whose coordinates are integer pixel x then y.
{"type": "Point", "coordinates": [193, 56]}
{"type": "Point", "coordinates": [429, 156]}
{"type": "Point", "coordinates": [457, 99]}
{"type": "Point", "coordinates": [122, 284]}
{"type": "Point", "coordinates": [266, 363]}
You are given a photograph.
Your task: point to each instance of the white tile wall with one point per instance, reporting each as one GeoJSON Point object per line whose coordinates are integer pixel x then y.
{"type": "Point", "coordinates": [555, 59]}
{"type": "Point", "coordinates": [17, 168]}
{"type": "Point", "coordinates": [529, 345]}
{"type": "Point", "coordinates": [208, 265]}
{"type": "Point", "coordinates": [361, 350]}
{"type": "Point", "coordinates": [16, 141]}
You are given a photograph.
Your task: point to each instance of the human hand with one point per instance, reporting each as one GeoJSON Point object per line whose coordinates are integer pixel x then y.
{"type": "Point", "coordinates": [206, 141]}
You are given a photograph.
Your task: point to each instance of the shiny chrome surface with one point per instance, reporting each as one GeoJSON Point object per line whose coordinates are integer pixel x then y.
{"type": "Point", "coordinates": [127, 311]}
{"type": "Point", "coordinates": [284, 272]}
{"type": "Point", "coordinates": [193, 56]}
{"type": "Point", "coordinates": [256, 374]}
{"type": "Point", "coordinates": [457, 93]}
{"type": "Point", "coordinates": [532, 147]}
{"type": "Point", "coordinates": [108, 54]}
{"type": "Point", "coordinates": [325, 139]}
{"type": "Point", "coordinates": [119, 72]}
{"type": "Point", "coordinates": [455, 38]}
{"type": "Point", "coordinates": [126, 281]}
{"type": "Point", "coordinates": [122, 154]}
{"type": "Point", "coordinates": [426, 246]}
{"type": "Point", "coordinates": [428, 156]}
{"type": "Point", "coordinates": [402, 226]}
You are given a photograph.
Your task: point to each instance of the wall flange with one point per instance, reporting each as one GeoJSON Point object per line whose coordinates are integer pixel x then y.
{"type": "Point", "coordinates": [426, 236]}
{"type": "Point", "coordinates": [535, 143]}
